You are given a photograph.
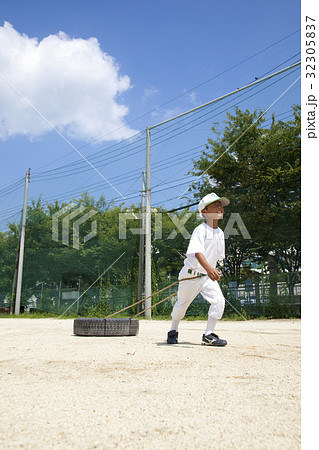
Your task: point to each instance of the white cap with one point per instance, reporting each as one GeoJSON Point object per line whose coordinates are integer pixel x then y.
{"type": "Point", "coordinates": [211, 198]}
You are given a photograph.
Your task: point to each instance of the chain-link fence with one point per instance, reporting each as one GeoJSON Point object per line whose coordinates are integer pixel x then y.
{"type": "Point", "coordinates": [277, 295]}
{"type": "Point", "coordinates": [266, 295]}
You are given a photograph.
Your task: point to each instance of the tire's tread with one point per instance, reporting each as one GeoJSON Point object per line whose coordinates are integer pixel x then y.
{"type": "Point", "coordinates": [86, 326]}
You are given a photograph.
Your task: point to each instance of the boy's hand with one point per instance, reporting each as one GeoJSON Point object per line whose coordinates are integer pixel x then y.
{"type": "Point", "coordinates": [213, 274]}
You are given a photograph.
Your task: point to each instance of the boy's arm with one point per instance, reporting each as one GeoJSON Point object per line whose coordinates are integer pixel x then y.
{"type": "Point", "coordinates": [211, 272]}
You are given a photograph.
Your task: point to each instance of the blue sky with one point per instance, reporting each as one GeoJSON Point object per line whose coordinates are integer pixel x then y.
{"type": "Point", "coordinates": [164, 57]}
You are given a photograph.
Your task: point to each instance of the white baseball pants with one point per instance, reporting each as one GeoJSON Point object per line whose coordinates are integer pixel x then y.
{"type": "Point", "coordinates": [189, 289]}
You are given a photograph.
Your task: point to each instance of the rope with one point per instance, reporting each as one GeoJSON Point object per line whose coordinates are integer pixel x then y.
{"type": "Point", "coordinates": [172, 295]}
{"type": "Point", "coordinates": [155, 293]}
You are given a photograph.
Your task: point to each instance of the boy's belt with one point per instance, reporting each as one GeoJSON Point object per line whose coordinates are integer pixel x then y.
{"type": "Point", "coordinates": [196, 274]}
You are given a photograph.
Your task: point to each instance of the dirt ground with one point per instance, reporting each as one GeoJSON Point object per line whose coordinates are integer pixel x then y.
{"type": "Point", "coordinates": [137, 392]}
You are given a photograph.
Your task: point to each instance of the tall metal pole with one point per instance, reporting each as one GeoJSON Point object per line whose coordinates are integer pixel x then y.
{"type": "Point", "coordinates": [141, 251]}
{"type": "Point", "coordinates": [14, 283]}
{"type": "Point", "coordinates": [21, 250]}
{"type": "Point", "coordinates": [148, 244]}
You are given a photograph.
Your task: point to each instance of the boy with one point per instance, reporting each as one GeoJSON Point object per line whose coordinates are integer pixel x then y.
{"type": "Point", "coordinates": [206, 247]}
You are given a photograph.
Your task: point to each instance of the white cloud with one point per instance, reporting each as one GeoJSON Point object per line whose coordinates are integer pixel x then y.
{"type": "Point", "coordinates": [149, 91]}
{"type": "Point", "coordinates": [71, 82]}
{"type": "Point", "coordinates": [193, 98]}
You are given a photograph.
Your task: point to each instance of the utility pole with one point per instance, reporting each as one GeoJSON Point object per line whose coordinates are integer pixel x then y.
{"type": "Point", "coordinates": [21, 250]}
{"type": "Point", "coordinates": [142, 244]}
{"type": "Point", "coordinates": [14, 283]}
{"type": "Point", "coordinates": [148, 243]}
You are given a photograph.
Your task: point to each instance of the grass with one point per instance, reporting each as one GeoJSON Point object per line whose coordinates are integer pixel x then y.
{"type": "Point", "coordinates": [42, 315]}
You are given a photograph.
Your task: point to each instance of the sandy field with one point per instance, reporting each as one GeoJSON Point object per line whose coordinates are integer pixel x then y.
{"type": "Point", "coordinates": [72, 392]}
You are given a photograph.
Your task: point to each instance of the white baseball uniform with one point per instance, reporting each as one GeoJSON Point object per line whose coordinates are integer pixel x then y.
{"type": "Point", "coordinates": [211, 243]}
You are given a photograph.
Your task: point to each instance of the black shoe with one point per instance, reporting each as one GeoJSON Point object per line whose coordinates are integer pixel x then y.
{"type": "Point", "coordinates": [172, 337]}
{"type": "Point", "coordinates": [213, 339]}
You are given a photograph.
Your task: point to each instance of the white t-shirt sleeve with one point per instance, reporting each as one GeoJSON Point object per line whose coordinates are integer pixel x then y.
{"type": "Point", "coordinates": [196, 244]}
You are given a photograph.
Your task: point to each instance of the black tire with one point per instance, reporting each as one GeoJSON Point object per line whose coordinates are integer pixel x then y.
{"type": "Point", "coordinates": [85, 326]}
